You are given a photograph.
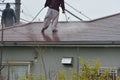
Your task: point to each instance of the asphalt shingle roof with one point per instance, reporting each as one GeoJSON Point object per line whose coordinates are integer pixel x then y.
{"type": "Point", "coordinates": [104, 29]}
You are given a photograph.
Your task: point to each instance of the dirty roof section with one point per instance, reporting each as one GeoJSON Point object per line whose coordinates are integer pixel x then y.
{"type": "Point", "coordinates": [103, 29]}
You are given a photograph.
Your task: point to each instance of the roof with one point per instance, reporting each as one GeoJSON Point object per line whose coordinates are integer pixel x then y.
{"type": "Point", "coordinates": [103, 29]}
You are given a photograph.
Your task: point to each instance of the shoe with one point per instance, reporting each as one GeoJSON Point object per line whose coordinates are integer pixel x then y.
{"type": "Point", "coordinates": [54, 30]}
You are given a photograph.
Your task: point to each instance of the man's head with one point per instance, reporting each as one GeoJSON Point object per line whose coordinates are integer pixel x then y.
{"type": "Point", "coordinates": [7, 5]}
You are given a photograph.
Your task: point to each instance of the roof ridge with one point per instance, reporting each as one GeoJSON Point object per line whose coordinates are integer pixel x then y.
{"type": "Point", "coordinates": [103, 17]}
{"type": "Point", "coordinates": [15, 26]}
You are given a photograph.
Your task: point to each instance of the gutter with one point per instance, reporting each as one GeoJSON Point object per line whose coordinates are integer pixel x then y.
{"type": "Point", "coordinates": [63, 43]}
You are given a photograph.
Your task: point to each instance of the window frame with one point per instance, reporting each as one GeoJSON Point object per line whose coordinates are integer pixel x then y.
{"type": "Point", "coordinates": [19, 63]}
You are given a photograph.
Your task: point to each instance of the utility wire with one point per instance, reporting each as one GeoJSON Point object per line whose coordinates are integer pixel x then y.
{"type": "Point", "coordinates": [77, 11]}
{"type": "Point", "coordinates": [24, 20]}
{"type": "Point", "coordinates": [73, 15]}
{"type": "Point", "coordinates": [37, 14]}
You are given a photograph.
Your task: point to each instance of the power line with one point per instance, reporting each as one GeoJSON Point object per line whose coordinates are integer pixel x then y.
{"type": "Point", "coordinates": [77, 11]}
{"type": "Point", "coordinates": [73, 15]}
{"type": "Point", "coordinates": [37, 14]}
{"type": "Point", "coordinates": [24, 20]}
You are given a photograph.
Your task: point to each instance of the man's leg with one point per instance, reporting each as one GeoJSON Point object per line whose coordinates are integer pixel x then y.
{"type": "Point", "coordinates": [55, 20]}
{"type": "Point", "coordinates": [47, 20]}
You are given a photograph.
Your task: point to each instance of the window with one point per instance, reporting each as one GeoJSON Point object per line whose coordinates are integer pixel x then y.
{"type": "Point", "coordinates": [112, 74]}
{"type": "Point", "coordinates": [15, 70]}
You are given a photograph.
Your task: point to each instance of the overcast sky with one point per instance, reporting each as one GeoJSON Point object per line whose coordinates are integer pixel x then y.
{"type": "Point", "coordinates": [91, 8]}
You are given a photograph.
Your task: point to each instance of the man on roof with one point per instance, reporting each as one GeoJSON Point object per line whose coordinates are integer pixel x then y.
{"type": "Point", "coordinates": [53, 13]}
{"type": "Point", "coordinates": [8, 16]}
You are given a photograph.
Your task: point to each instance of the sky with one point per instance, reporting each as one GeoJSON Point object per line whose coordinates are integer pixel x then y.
{"type": "Point", "coordinates": [91, 8]}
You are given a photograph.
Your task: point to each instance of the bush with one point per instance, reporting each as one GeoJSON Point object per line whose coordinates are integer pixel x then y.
{"type": "Point", "coordinates": [87, 72]}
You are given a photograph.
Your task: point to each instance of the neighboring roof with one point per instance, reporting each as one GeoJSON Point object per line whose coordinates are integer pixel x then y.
{"type": "Point", "coordinates": [103, 29]}
{"type": "Point", "coordinates": [21, 23]}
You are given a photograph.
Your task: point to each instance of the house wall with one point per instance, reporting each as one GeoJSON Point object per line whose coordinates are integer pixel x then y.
{"type": "Point", "coordinates": [49, 58]}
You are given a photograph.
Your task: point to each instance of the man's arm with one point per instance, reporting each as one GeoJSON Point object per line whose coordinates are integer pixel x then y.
{"type": "Point", "coordinates": [63, 6]}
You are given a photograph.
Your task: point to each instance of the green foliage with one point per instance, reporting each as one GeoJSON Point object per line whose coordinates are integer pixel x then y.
{"type": "Point", "coordinates": [33, 77]}
{"type": "Point", "coordinates": [41, 77]}
{"type": "Point", "coordinates": [23, 78]}
{"type": "Point", "coordinates": [62, 75]}
{"type": "Point", "coordinates": [87, 72]}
